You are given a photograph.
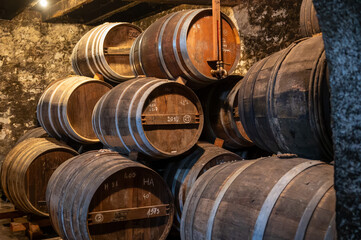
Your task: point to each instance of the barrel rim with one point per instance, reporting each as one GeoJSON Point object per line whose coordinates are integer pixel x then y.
{"type": "Point", "coordinates": [197, 104]}
{"type": "Point", "coordinates": [168, 222]}
{"type": "Point", "coordinates": [103, 36]}
{"type": "Point", "coordinates": [65, 111]}
{"type": "Point", "coordinates": [184, 49]}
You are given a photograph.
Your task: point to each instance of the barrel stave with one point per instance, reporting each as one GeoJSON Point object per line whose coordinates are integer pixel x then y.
{"type": "Point", "coordinates": [169, 41]}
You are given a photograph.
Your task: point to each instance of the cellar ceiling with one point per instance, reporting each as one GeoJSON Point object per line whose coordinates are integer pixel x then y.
{"type": "Point", "coordinates": [93, 12]}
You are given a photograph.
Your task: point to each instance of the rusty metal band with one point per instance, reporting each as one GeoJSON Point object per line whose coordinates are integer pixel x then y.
{"type": "Point", "coordinates": [131, 57]}
{"type": "Point", "coordinates": [331, 230]}
{"type": "Point", "coordinates": [160, 50]}
{"type": "Point", "coordinates": [94, 30]}
{"type": "Point", "coordinates": [193, 202]}
{"type": "Point", "coordinates": [98, 54]}
{"type": "Point", "coordinates": [315, 105]}
{"type": "Point", "coordinates": [250, 126]}
{"type": "Point", "coordinates": [269, 99]}
{"type": "Point", "coordinates": [140, 52]}
{"type": "Point", "coordinates": [74, 59]}
{"type": "Point", "coordinates": [97, 125]}
{"type": "Point", "coordinates": [201, 79]}
{"type": "Point", "coordinates": [101, 62]}
{"type": "Point", "coordinates": [117, 120]}
{"type": "Point", "coordinates": [273, 196]}
{"type": "Point", "coordinates": [53, 128]}
{"type": "Point", "coordinates": [189, 170]}
{"type": "Point", "coordinates": [311, 207]}
{"type": "Point", "coordinates": [221, 194]}
{"type": "Point", "coordinates": [175, 48]}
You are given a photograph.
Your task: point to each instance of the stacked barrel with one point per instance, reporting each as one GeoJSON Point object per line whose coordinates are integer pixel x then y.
{"type": "Point", "coordinates": [148, 98]}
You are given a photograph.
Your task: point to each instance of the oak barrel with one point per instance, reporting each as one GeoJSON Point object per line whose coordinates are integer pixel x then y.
{"type": "Point", "coordinates": [183, 171]}
{"type": "Point", "coordinates": [180, 44]}
{"type": "Point", "coordinates": [268, 198]}
{"type": "Point", "coordinates": [155, 117]}
{"type": "Point", "coordinates": [65, 108]}
{"type": "Point", "coordinates": [105, 50]}
{"type": "Point", "coordinates": [26, 170]}
{"type": "Point", "coordinates": [220, 107]}
{"type": "Point", "coordinates": [37, 132]}
{"type": "Point", "coordinates": [308, 19]}
{"type": "Point", "coordinates": [284, 101]}
{"type": "Point", "coordinates": [103, 195]}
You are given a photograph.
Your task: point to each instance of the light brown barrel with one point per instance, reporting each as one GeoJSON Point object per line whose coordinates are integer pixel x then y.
{"type": "Point", "coordinates": [284, 101]}
{"type": "Point", "coordinates": [268, 198]}
{"type": "Point", "coordinates": [65, 108]}
{"type": "Point", "coordinates": [308, 19]}
{"type": "Point", "coordinates": [103, 195]}
{"type": "Point", "coordinates": [183, 171]}
{"type": "Point", "coordinates": [37, 132]}
{"type": "Point", "coordinates": [181, 44]}
{"type": "Point", "coordinates": [220, 106]}
{"type": "Point", "coordinates": [152, 116]}
{"type": "Point", "coordinates": [105, 50]}
{"type": "Point", "coordinates": [26, 170]}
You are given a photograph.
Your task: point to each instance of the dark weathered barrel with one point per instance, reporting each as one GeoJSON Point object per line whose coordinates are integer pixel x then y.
{"type": "Point", "coordinates": [65, 108]}
{"type": "Point", "coordinates": [183, 171]}
{"type": "Point", "coordinates": [308, 19]}
{"type": "Point", "coordinates": [105, 50]}
{"type": "Point", "coordinates": [37, 132]}
{"type": "Point", "coordinates": [268, 198]}
{"type": "Point", "coordinates": [220, 107]}
{"type": "Point", "coordinates": [284, 101]}
{"type": "Point", "coordinates": [180, 44]}
{"type": "Point", "coordinates": [103, 195]}
{"type": "Point", "coordinates": [26, 170]}
{"type": "Point", "coordinates": [156, 117]}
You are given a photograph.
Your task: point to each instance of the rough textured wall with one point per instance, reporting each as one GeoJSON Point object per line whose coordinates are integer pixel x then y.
{"type": "Point", "coordinates": [340, 22]}
{"type": "Point", "coordinates": [32, 54]}
{"type": "Point", "coordinates": [265, 26]}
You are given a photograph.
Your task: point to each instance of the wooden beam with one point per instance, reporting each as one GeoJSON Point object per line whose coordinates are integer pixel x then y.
{"type": "Point", "coordinates": [195, 2]}
{"type": "Point", "coordinates": [111, 13]}
{"type": "Point", "coordinates": [62, 8]}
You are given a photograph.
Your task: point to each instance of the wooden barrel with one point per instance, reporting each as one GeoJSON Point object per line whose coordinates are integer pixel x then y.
{"type": "Point", "coordinates": [180, 44]}
{"type": "Point", "coordinates": [103, 195]}
{"type": "Point", "coordinates": [37, 132]}
{"type": "Point", "coordinates": [65, 108]}
{"type": "Point", "coordinates": [182, 172]}
{"type": "Point", "coordinates": [284, 101]}
{"type": "Point", "coordinates": [26, 170]}
{"type": "Point", "coordinates": [105, 50]}
{"type": "Point", "coordinates": [308, 19]}
{"type": "Point", "coordinates": [268, 198]}
{"type": "Point", "coordinates": [220, 106]}
{"type": "Point", "coordinates": [155, 117]}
